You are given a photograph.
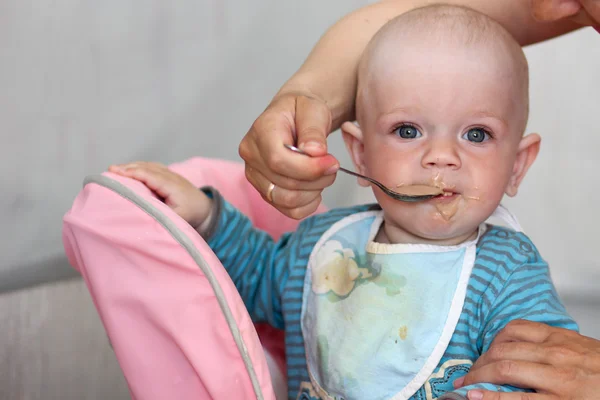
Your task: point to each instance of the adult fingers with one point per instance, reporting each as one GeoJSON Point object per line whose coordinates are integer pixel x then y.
{"type": "Point", "coordinates": [263, 146]}
{"type": "Point", "coordinates": [523, 374]}
{"type": "Point", "coordinates": [281, 197]}
{"type": "Point", "coordinates": [313, 124]}
{"type": "Point", "coordinates": [525, 331]}
{"type": "Point", "coordinates": [516, 351]}
{"type": "Point", "coordinates": [489, 395]}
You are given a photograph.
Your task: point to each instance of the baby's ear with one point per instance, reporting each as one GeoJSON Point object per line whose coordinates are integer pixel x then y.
{"type": "Point", "coordinates": [527, 152]}
{"type": "Point", "coordinates": [353, 137]}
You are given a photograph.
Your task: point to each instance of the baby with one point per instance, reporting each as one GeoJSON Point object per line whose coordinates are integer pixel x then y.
{"type": "Point", "coordinates": [397, 300]}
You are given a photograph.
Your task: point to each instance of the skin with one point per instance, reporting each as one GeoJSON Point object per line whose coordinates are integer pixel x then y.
{"type": "Point", "coordinates": [177, 192]}
{"type": "Point", "coordinates": [445, 93]}
{"type": "Point", "coordinates": [320, 97]}
{"type": "Point", "coordinates": [584, 12]}
{"type": "Point", "coordinates": [446, 90]}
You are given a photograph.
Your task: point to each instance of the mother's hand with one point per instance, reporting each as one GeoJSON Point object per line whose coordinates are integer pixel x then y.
{"type": "Point", "coordinates": [292, 118]}
{"type": "Point", "coordinates": [556, 362]}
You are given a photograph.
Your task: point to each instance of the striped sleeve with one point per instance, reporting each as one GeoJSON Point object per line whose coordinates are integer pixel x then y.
{"type": "Point", "coordinates": [254, 261]}
{"type": "Point", "coordinates": [528, 293]}
{"type": "Point", "coordinates": [520, 287]}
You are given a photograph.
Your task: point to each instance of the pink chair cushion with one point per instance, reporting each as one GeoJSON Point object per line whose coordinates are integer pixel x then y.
{"type": "Point", "coordinates": [173, 325]}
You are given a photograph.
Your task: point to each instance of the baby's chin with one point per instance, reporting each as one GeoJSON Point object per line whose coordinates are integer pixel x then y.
{"type": "Point", "coordinates": [430, 229]}
{"type": "Point", "coordinates": [447, 220]}
{"type": "Point", "coordinates": [450, 235]}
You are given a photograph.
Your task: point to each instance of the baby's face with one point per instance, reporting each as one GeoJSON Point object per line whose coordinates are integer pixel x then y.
{"type": "Point", "coordinates": [448, 117]}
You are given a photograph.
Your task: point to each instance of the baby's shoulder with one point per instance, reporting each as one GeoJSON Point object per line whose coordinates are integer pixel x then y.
{"type": "Point", "coordinates": [501, 247]}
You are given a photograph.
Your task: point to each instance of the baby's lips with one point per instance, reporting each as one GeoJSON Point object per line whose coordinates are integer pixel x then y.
{"type": "Point", "coordinates": [449, 190]}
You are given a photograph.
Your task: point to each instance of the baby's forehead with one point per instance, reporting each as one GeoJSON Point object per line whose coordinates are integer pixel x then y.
{"type": "Point", "coordinates": [436, 43]}
{"type": "Point", "coordinates": [409, 44]}
{"type": "Point", "coordinates": [430, 30]}
{"type": "Point", "coordinates": [437, 61]}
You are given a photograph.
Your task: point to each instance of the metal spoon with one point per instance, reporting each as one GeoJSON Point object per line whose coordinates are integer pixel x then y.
{"type": "Point", "coordinates": [395, 195]}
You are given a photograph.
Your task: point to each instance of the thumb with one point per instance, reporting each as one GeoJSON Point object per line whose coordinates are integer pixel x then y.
{"type": "Point", "coordinates": [313, 124]}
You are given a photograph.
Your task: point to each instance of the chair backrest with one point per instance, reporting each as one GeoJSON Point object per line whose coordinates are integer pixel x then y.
{"type": "Point", "coordinates": [175, 319]}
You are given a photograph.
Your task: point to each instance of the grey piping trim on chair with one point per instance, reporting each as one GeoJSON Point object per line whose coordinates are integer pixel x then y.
{"type": "Point", "coordinates": [182, 239]}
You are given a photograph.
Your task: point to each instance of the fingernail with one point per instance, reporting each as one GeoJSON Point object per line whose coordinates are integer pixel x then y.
{"type": "Point", "coordinates": [475, 395]}
{"type": "Point", "coordinates": [311, 146]}
{"type": "Point", "coordinates": [332, 170]}
{"type": "Point", "coordinates": [459, 382]}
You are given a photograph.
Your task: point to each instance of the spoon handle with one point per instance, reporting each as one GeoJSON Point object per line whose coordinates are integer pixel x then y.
{"type": "Point", "coordinates": [386, 190]}
{"type": "Point", "coordinates": [373, 181]}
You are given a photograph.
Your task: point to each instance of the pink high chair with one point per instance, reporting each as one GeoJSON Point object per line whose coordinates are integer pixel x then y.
{"type": "Point", "coordinates": [175, 320]}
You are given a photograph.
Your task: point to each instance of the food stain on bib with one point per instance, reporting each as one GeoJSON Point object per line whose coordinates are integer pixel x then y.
{"type": "Point", "coordinates": [403, 332]}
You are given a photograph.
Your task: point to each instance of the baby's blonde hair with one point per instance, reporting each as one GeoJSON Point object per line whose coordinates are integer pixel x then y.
{"type": "Point", "coordinates": [440, 22]}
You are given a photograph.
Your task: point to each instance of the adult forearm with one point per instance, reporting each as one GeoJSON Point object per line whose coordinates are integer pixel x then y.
{"type": "Point", "coordinates": [329, 72]}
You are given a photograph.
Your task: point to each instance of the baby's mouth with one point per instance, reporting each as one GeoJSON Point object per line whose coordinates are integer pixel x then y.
{"type": "Point", "coordinates": [419, 190]}
{"type": "Point", "coordinates": [445, 199]}
{"type": "Point", "coordinates": [435, 188]}
{"type": "Point", "coordinates": [447, 193]}
{"type": "Point", "coordinates": [447, 204]}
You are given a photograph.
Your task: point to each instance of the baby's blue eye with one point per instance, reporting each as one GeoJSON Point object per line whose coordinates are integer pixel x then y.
{"type": "Point", "coordinates": [476, 135]}
{"type": "Point", "coordinates": [407, 132]}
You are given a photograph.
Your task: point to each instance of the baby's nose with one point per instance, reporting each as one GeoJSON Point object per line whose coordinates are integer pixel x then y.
{"type": "Point", "coordinates": [441, 155]}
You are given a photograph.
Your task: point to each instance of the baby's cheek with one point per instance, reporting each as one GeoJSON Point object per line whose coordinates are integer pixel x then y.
{"type": "Point", "coordinates": [482, 201]}
{"type": "Point", "coordinates": [489, 182]}
{"type": "Point", "coordinates": [388, 173]}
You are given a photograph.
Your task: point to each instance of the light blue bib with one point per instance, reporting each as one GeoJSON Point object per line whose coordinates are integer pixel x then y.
{"type": "Point", "coordinates": [377, 318]}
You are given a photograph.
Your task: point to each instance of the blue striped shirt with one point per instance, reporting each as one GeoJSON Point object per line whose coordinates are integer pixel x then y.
{"type": "Point", "coordinates": [509, 281]}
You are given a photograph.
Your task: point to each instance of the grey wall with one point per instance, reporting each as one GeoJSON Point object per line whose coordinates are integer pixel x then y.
{"type": "Point", "coordinates": [85, 84]}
